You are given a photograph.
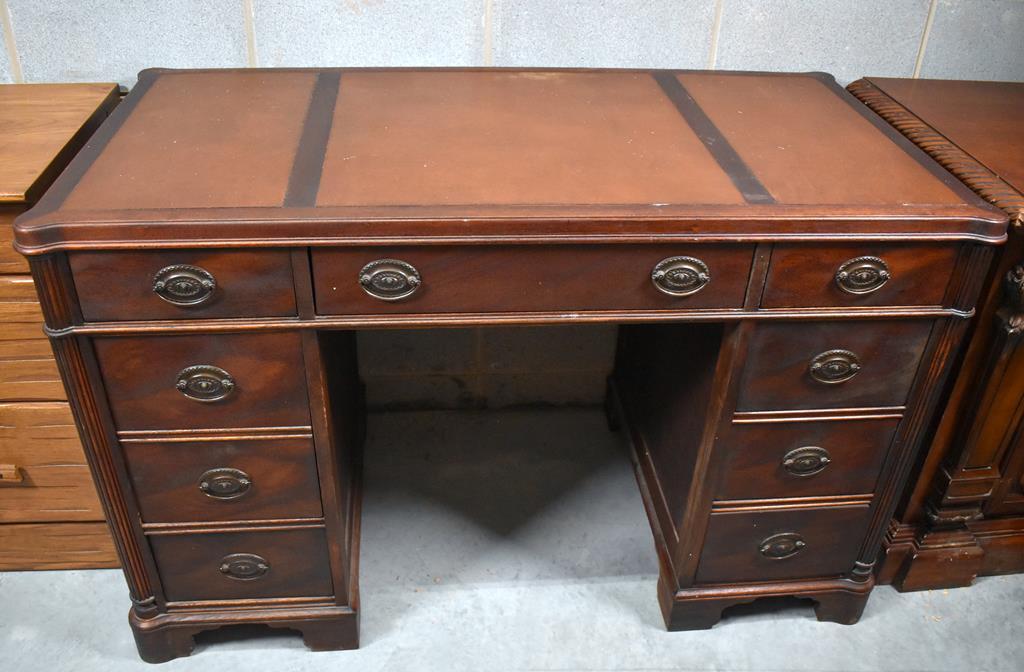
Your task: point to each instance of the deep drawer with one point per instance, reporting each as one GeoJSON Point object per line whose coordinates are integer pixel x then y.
{"type": "Point", "coordinates": [183, 284]}
{"type": "Point", "coordinates": [224, 480]}
{"type": "Point", "coordinates": [41, 441]}
{"type": "Point", "coordinates": [492, 279]}
{"type": "Point", "coordinates": [782, 544]}
{"type": "Point", "coordinates": [243, 565]}
{"type": "Point", "coordinates": [803, 365]}
{"type": "Point", "coordinates": [266, 380]}
{"type": "Point", "coordinates": [858, 275]}
{"type": "Point", "coordinates": [802, 459]}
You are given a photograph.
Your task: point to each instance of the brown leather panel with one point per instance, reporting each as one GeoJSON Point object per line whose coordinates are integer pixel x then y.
{"type": "Point", "coordinates": [41, 440]}
{"type": "Point", "coordinates": [40, 121]}
{"type": "Point", "coordinates": [982, 118]}
{"type": "Point", "coordinates": [220, 139]}
{"type": "Point", "coordinates": [808, 146]}
{"type": "Point", "coordinates": [402, 138]}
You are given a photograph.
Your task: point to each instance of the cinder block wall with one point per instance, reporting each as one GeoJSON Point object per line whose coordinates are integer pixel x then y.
{"type": "Point", "coordinates": [103, 40]}
{"type": "Point", "coordinates": [111, 40]}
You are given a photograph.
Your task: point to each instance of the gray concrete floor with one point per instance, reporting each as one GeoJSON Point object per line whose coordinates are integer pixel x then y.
{"type": "Point", "coordinates": [516, 540]}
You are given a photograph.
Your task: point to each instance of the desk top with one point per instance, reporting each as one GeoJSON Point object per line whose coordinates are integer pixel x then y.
{"type": "Point", "coordinates": [266, 157]}
{"type": "Point", "coordinates": [981, 119]}
{"type": "Point", "coordinates": [38, 123]}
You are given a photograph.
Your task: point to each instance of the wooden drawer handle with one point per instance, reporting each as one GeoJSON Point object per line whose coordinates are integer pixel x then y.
{"type": "Point", "coordinates": [389, 279]}
{"type": "Point", "coordinates": [834, 366]}
{"type": "Point", "coordinates": [244, 566]}
{"type": "Point", "coordinates": [862, 275]}
{"type": "Point", "coordinates": [782, 546]}
{"type": "Point", "coordinates": [184, 285]}
{"type": "Point", "coordinates": [10, 474]}
{"type": "Point", "coordinates": [680, 276]}
{"type": "Point", "coordinates": [204, 382]}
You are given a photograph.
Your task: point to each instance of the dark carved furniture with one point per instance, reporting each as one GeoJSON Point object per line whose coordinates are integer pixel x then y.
{"type": "Point", "coordinates": [50, 514]}
{"type": "Point", "coordinates": [963, 516]}
{"type": "Point", "coordinates": [791, 277]}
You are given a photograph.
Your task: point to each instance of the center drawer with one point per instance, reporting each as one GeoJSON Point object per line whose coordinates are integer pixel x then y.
{"type": "Point", "coordinates": [204, 381]}
{"type": "Point", "coordinates": [488, 279]}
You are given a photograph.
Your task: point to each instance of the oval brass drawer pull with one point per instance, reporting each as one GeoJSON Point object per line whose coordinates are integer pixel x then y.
{"type": "Point", "coordinates": [862, 275]}
{"type": "Point", "coordinates": [184, 285]}
{"type": "Point", "coordinates": [244, 566]}
{"type": "Point", "coordinates": [834, 366]}
{"type": "Point", "coordinates": [225, 483]}
{"type": "Point", "coordinates": [389, 279]}
{"type": "Point", "coordinates": [806, 461]}
{"type": "Point", "coordinates": [782, 546]}
{"type": "Point", "coordinates": [204, 382]}
{"type": "Point", "coordinates": [680, 276]}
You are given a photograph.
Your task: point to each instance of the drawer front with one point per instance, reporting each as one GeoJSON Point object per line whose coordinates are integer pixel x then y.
{"type": "Point", "coordinates": [243, 565]}
{"type": "Point", "coordinates": [18, 301]}
{"type": "Point", "coordinates": [265, 373]}
{"type": "Point", "coordinates": [782, 544]}
{"type": "Point", "coordinates": [183, 284]}
{"type": "Point", "coordinates": [491, 279]}
{"type": "Point", "coordinates": [788, 362]}
{"type": "Point", "coordinates": [41, 442]}
{"type": "Point", "coordinates": [10, 261]}
{"type": "Point", "coordinates": [29, 372]}
{"type": "Point", "coordinates": [224, 480]}
{"type": "Point", "coordinates": [803, 276]}
{"type": "Point", "coordinates": [803, 459]}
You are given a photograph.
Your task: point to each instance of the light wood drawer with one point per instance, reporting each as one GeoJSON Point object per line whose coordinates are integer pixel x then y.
{"type": "Point", "coordinates": [56, 546]}
{"type": "Point", "coordinates": [18, 301]}
{"type": "Point", "coordinates": [28, 371]}
{"type": "Point", "coordinates": [10, 261]}
{"type": "Point", "coordinates": [40, 439]}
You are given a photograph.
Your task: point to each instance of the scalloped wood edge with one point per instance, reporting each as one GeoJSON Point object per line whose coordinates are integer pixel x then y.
{"type": "Point", "coordinates": [965, 167]}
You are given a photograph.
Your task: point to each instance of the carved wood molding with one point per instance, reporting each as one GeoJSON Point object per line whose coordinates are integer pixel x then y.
{"type": "Point", "coordinates": [971, 172]}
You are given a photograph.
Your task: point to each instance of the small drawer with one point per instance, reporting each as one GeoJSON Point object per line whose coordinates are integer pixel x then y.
{"type": "Point", "coordinates": [29, 371]}
{"type": "Point", "coordinates": [803, 365]}
{"type": "Point", "coordinates": [224, 480]}
{"type": "Point", "coordinates": [204, 381]}
{"type": "Point", "coordinates": [803, 276]}
{"type": "Point", "coordinates": [248, 564]}
{"type": "Point", "coordinates": [183, 284]}
{"type": "Point", "coordinates": [490, 279]}
{"type": "Point", "coordinates": [50, 481]}
{"type": "Point", "coordinates": [802, 459]}
{"type": "Point", "coordinates": [780, 543]}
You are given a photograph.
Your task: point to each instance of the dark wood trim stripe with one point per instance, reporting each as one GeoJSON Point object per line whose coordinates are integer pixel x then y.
{"type": "Point", "coordinates": [304, 181]}
{"type": "Point", "coordinates": [727, 157]}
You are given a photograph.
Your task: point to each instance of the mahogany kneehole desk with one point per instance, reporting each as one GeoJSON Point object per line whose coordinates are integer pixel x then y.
{"type": "Point", "coordinates": [791, 276]}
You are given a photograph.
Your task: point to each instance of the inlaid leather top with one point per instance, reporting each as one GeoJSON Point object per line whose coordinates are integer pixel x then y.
{"type": "Point", "coordinates": [272, 156]}
{"type": "Point", "coordinates": [982, 118]}
{"type": "Point", "coordinates": [38, 122]}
